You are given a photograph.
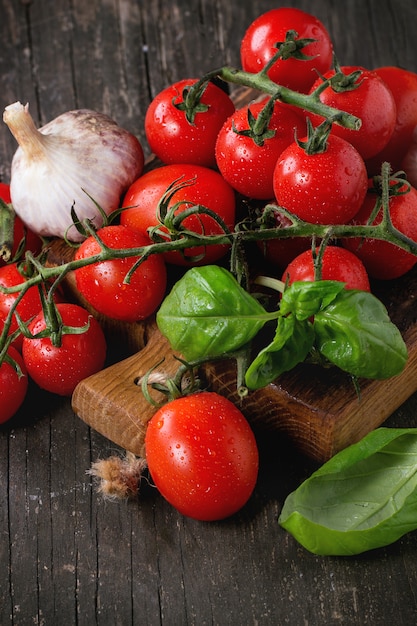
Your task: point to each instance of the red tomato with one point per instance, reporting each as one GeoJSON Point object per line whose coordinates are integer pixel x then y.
{"type": "Point", "coordinates": [60, 369]}
{"type": "Point", "coordinates": [247, 166]}
{"type": "Point", "coordinates": [323, 188]}
{"type": "Point", "coordinates": [174, 139]}
{"type": "Point", "coordinates": [371, 100]}
{"type": "Point", "coordinates": [13, 387]}
{"type": "Point", "coordinates": [102, 284]}
{"type": "Point", "coordinates": [403, 86]}
{"type": "Point", "coordinates": [21, 234]}
{"type": "Point", "coordinates": [281, 251]}
{"type": "Point", "coordinates": [337, 264]}
{"type": "Point", "coordinates": [29, 305]}
{"type": "Point", "coordinates": [258, 46]}
{"type": "Point", "coordinates": [382, 259]}
{"type": "Point", "coordinates": [202, 456]}
{"type": "Point", "coordinates": [208, 188]}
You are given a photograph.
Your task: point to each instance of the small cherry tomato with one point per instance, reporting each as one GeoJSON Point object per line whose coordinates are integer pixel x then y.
{"type": "Point", "coordinates": [58, 369]}
{"type": "Point", "coordinates": [175, 139]}
{"type": "Point", "coordinates": [206, 187]}
{"type": "Point", "coordinates": [248, 164]}
{"type": "Point", "coordinates": [259, 45]}
{"type": "Point", "coordinates": [403, 86]}
{"type": "Point", "coordinates": [323, 188]}
{"type": "Point", "coordinates": [337, 264]}
{"type": "Point", "coordinates": [202, 456]}
{"type": "Point", "coordinates": [382, 259]}
{"type": "Point", "coordinates": [13, 385]}
{"type": "Point", "coordinates": [102, 284]}
{"type": "Point", "coordinates": [370, 100]}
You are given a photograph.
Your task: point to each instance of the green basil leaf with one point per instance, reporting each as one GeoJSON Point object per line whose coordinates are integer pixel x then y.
{"type": "Point", "coordinates": [292, 342]}
{"type": "Point", "coordinates": [306, 298]}
{"type": "Point", "coordinates": [355, 333]}
{"type": "Point", "coordinates": [208, 314]}
{"type": "Point", "coordinates": [365, 497]}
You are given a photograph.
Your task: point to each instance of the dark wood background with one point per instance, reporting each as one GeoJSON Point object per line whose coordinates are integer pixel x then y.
{"type": "Point", "coordinates": [68, 556]}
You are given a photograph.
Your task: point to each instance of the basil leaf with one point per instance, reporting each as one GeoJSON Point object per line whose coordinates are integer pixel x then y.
{"type": "Point", "coordinates": [355, 333]}
{"type": "Point", "coordinates": [208, 313]}
{"type": "Point", "coordinates": [364, 498]}
{"type": "Point", "coordinates": [292, 342]}
{"type": "Point", "coordinates": [305, 298]}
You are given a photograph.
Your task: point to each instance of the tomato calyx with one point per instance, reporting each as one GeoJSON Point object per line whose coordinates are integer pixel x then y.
{"type": "Point", "coordinates": [291, 48]}
{"type": "Point", "coordinates": [341, 82]}
{"type": "Point", "coordinates": [317, 138]}
{"type": "Point", "coordinates": [191, 100]}
{"type": "Point", "coordinates": [7, 216]}
{"type": "Point", "coordinates": [259, 130]}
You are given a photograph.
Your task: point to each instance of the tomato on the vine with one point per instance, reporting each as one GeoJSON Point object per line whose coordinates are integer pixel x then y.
{"type": "Point", "coordinates": [13, 385]}
{"type": "Point", "coordinates": [259, 45]}
{"type": "Point", "coordinates": [198, 186]}
{"type": "Point", "coordinates": [103, 283]}
{"type": "Point", "coordinates": [382, 259]}
{"type": "Point", "coordinates": [403, 86]}
{"type": "Point", "coordinates": [246, 156]}
{"type": "Point", "coordinates": [58, 369]}
{"type": "Point", "coordinates": [175, 139]}
{"type": "Point", "coordinates": [368, 98]}
{"type": "Point", "coordinates": [337, 264]}
{"type": "Point", "coordinates": [327, 187]}
{"type": "Point", "coordinates": [202, 455]}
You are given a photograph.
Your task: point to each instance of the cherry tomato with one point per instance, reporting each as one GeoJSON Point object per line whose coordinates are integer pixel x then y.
{"type": "Point", "coordinates": [174, 139]}
{"type": "Point", "coordinates": [29, 305]}
{"type": "Point", "coordinates": [207, 188]}
{"type": "Point", "coordinates": [13, 385]}
{"type": "Point", "coordinates": [22, 236]}
{"type": "Point", "coordinates": [247, 166]}
{"type": "Point", "coordinates": [202, 456]}
{"type": "Point", "coordinates": [337, 264]}
{"type": "Point", "coordinates": [58, 369]}
{"type": "Point", "coordinates": [382, 259]}
{"type": "Point", "coordinates": [102, 284]}
{"type": "Point", "coordinates": [281, 251]}
{"type": "Point", "coordinates": [258, 46]}
{"type": "Point", "coordinates": [371, 101]}
{"type": "Point", "coordinates": [403, 86]}
{"type": "Point", "coordinates": [322, 188]}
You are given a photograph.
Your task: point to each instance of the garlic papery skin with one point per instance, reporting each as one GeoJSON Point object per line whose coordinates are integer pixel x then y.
{"type": "Point", "coordinates": [80, 153]}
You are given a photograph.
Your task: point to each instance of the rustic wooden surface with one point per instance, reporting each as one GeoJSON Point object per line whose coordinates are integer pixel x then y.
{"type": "Point", "coordinates": [67, 556]}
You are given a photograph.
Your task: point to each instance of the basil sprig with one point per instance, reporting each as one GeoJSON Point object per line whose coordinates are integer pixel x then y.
{"type": "Point", "coordinates": [363, 498]}
{"type": "Point", "coordinates": [208, 314]}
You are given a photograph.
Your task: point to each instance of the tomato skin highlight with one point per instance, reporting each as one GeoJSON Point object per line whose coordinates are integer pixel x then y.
{"type": "Point", "coordinates": [102, 284]}
{"type": "Point", "coordinates": [258, 46]}
{"type": "Point", "coordinates": [371, 101]}
{"type": "Point", "coordinates": [202, 456]}
{"type": "Point", "coordinates": [13, 388]}
{"type": "Point", "coordinates": [337, 264]}
{"type": "Point", "coordinates": [247, 167]}
{"type": "Point", "coordinates": [208, 188]}
{"type": "Point", "coordinates": [175, 140]}
{"type": "Point", "coordinates": [382, 259]}
{"type": "Point", "coordinates": [324, 188]}
{"type": "Point", "coordinates": [59, 369]}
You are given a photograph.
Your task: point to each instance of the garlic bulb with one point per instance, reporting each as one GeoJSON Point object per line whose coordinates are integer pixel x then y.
{"type": "Point", "coordinates": [79, 154]}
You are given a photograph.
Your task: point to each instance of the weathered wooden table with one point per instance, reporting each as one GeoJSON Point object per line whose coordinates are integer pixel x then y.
{"type": "Point", "coordinates": [67, 556]}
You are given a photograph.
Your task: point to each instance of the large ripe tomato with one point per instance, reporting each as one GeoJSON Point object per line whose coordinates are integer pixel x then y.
{"type": "Point", "coordinates": [323, 188]}
{"type": "Point", "coordinates": [202, 456]}
{"type": "Point", "coordinates": [29, 305]}
{"type": "Point", "coordinates": [102, 284]}
{"type": "Point", "coordinates": [248, 166]}
{"type": "Point", "coordinates": [258, 46]}
{"type": "Point", "coordinates": [13, 385]}
{"type": "Point", "coordinates": [58, 369]}
{"type": "Point", "coordinates": [23, 238]}
{"type": "Point", "coordinates": [403, 86]}
{"type": "Point", "coordinates": [207, 188]}
{"type": "Point", "coordinates": [382, 259]}
{"type": "Point", "coordinates": [370, 100]}
{"type": "Point", "coordinates": [173, 138]}
{"type": "Point", "coordinates": [337, 264]}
